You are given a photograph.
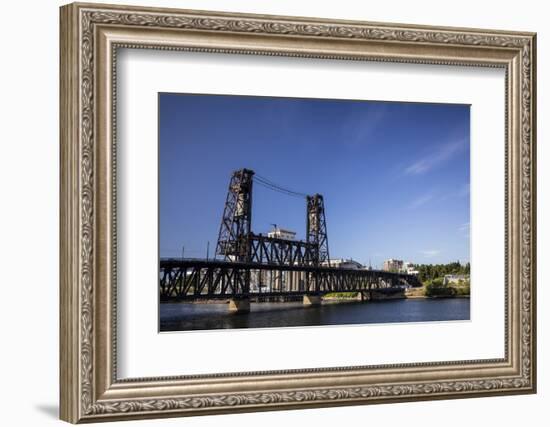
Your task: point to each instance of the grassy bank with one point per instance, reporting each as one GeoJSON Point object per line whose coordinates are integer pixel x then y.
{"type": "Point", "coordinates": [436, 288]}
{"type": "Point", "coordinates": [341, 295]}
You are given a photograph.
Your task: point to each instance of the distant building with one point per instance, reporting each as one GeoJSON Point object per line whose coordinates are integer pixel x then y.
{"type": "Point", "coordinates": [408, 267]}
{"type": "Point", "coordinates": [393, 265]}
{"type": "Point", "coordinates": [399, 266]}
{"type": "Point", "coordinates": [281, 233]}
{"type": "Point", "coordinates": [349, 264]}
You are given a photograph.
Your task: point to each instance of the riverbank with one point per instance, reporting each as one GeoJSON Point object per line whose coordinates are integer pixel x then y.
{"type": "Point", "coordinates": [437, 289]}
{"type": "Point", "coordinates": [351, 297]}
{"type": "Point", "coordinates": [435, 297]}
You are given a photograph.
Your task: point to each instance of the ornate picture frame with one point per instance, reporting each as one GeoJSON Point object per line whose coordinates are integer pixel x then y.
{"type": "Point", "coordinates": [90, 37]}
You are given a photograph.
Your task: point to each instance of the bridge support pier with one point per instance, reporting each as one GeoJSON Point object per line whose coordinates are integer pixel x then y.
{"type": "Point", "coordinates": [312, 300]}
{"type": "Point", "coordinates": [239, 305]}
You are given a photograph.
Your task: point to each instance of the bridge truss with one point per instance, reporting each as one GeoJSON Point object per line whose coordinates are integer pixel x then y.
{"type": "Point", "coordinates": [237, 242]}
{"type": "Point", "coordinates": [199, 279]}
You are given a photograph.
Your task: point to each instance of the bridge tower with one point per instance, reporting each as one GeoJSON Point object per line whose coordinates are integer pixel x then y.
{"type": "Point", "coordinates": [235, 228]}
{"type": "Point", "coordinates": [317, 228]}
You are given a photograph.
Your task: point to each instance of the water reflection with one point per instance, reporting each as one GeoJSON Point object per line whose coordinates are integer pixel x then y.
{"type": "Point", "coordinates": [188, 316]}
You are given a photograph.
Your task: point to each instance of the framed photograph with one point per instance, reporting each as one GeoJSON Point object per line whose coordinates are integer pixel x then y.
{"type": "Point", "coordinates": [266, 212]}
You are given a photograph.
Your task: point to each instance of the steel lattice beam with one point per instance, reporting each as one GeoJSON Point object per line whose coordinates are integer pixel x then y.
{"type": "Point", "coordinates": [199, 279]}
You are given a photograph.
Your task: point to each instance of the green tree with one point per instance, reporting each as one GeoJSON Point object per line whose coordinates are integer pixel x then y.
{"type": "Point", "coordinates": [428, 272]}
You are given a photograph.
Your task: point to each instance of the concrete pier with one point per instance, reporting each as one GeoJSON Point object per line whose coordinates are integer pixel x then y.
{"type": "Point", "coordinates": [239, 305]}
{"type": "Point", "coordinates": [312, 300]}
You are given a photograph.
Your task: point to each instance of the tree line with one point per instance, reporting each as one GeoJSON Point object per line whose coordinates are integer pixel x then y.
{"type": "Point", "coordinates": [429, 272]}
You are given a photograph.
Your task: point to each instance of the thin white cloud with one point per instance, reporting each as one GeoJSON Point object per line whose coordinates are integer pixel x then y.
{"type": "Point", "coordinates": [464, 229]}
{"type": "Point", "coordinates": [463, 191]}
{"type": "Point", "coordinates": [421, 200]}
{"type": "Point", "coordinates": [430, 253]}
{"type": "Point", "coordinates": [444, 153]}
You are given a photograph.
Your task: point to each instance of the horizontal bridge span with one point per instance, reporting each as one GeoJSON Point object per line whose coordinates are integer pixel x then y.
{"type": "Point", "coordinates": [213, 279]}
{"type": "Point", "coordinates": [203, 263]}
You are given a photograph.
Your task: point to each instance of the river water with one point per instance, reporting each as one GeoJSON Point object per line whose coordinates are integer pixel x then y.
{"type": "Point", "coordinates": [189, 316]}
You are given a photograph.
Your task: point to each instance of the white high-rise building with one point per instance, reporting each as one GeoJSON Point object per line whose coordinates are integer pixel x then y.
{"type": "Point", "coordinates": [393, 265]}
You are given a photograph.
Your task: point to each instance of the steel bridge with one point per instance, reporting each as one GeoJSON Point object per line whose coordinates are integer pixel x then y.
{"type": "Point", "coordinates": [256, 265]}
{"type": "Point", "coordinates": [188, 280]}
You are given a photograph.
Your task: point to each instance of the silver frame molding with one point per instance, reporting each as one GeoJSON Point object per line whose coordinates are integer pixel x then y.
{"type": "Point", "coordinates": [90, 37]}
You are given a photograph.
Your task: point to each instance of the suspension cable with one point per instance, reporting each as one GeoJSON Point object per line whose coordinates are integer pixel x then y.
{"type": "Point", "coordinates": [266, 183]}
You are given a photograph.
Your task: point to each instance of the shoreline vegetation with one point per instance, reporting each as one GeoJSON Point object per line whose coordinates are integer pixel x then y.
{"type": "Point", "coordinates": [439, 290]}
{"type": "Point", "coordinates": [444, 280]}
{"type": "Point", "coordinates": [427, 292]}
{"type": "Point", "coordinates": [431, 289]}
{"type": "Point", "coordinates": [411, 293]}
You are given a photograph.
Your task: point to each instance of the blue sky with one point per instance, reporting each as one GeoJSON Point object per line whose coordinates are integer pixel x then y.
{"type": "Point", "coordinates": [395, 176]}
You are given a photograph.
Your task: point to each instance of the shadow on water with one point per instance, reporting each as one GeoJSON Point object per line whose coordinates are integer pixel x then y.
{"type": "Point", "coordinates": [188, 316]}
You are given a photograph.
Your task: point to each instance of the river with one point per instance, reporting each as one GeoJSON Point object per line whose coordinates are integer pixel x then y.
{"type": "Point", "coordinates": [189, 316]}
